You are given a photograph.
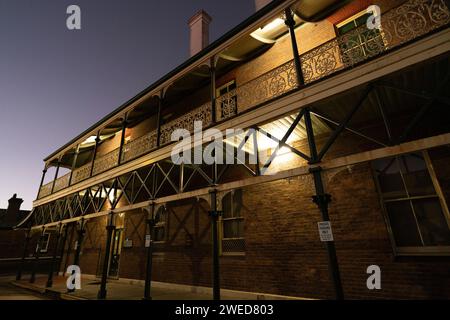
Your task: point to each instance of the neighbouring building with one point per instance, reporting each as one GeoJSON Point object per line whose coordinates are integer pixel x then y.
{"type": "Point", "coordinates": [346, 122]}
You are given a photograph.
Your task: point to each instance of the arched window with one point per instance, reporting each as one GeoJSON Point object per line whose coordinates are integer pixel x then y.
{"type": "Point", "coordinates": [233, 223]}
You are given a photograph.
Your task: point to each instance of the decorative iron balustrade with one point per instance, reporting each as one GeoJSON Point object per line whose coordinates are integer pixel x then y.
{"type": "Point", "coordinates": [202, 113]}
{"type": "Point", "coordinates": [139, 146]}
{"type": "Point", "coordinates": [81, 173]}
{"type": "Point", "coordinates": [45, 190]}
{"type": "Point", "coordinates": [411, 20]}
{"type": "Point", "coordinates": [266, 87]}
{"type": "Point", "coordinates": [62, 182]}
{"type": "Point", "coordinates": [106, 162]}
{"type": "Point", "coordinates": [403, 24]}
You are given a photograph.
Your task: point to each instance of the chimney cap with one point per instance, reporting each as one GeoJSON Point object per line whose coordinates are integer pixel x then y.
{"type": "Point", "coordinates": [201, 14]}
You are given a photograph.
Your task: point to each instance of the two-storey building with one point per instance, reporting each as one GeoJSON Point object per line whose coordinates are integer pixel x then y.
{"type": "Point", "coordinates": [344, 116]}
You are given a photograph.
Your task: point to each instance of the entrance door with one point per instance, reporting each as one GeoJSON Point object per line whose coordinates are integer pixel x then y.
{"type": "Point", "coordinates": [116, 248]}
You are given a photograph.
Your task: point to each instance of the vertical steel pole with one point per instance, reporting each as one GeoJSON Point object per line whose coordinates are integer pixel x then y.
{"type": "Point", "coordinates": [62, 247]}
{"type": "Point", "coordinates": [36, 257]}
{"type": "Point", "coordinates": [322, 200]}
{"type": "Point", "coordinates": [55, 254]}
{"type": "Point", "coordinates": [42, 181]}
{"type": "Point", "coordinates": [76, 260]}
{"type": "Point", "coordinates": [24, 255]}
{"type": "Point", "coordinates": [122, 140]}
{"type": "Point", "coordinates": [56, 175]}
{"type": "Point", "coordinates": [109, 234]}
{"type": "Point", "coordinates": [212, 71]}
{"type": "Point", "coordinates": [97, 142]}
{"type": "Point", "coordinates": [74, 164]}
{"type": "Point", "coordinates": [158, 124]}
{"type": "Point", "coordinates": [215, 245]}
{"type": "Point", "coordinates": [148, 270]}
{"type": "Point", "coordinates": [290, 22]}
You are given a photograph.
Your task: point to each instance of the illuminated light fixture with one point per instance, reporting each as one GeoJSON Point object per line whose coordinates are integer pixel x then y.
{"type": "Point", "coordinates": [273, 25]}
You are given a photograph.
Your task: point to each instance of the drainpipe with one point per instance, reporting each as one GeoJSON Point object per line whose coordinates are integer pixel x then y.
{"type": "Point", "coordinates": [148, 271]}
{"type": "Point", "coordinates": [109, 234]}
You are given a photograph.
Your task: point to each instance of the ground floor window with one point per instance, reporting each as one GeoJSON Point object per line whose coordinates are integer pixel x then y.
{"type": "Point", "coordinates": [159, 230]}
{"type": "Point", "coordinates": [45, 241]}
{"type": "Point", "coordinates": [232, 221]}
{"type": "Point", "coordinates": [415, 208]}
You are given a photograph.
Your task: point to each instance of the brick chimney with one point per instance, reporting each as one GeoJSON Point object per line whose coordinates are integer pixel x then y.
{"type": "Point", "coordinates": [12, 212]}
{"type": "Point", "coordinates": [259, 4]}
{"type": "Point", "coordinates": [199, 32]}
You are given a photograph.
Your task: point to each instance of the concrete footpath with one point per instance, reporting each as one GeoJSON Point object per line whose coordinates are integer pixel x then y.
{"type": "Point", "coordinates": [131, 290]}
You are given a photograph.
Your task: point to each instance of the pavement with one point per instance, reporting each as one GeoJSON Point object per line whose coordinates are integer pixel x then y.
{"type": "Point", "coordinates": [10, 292]}
{"type": "Point", "coordinates": [116, 290]}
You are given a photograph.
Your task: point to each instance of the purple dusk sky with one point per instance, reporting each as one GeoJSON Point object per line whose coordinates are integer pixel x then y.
{"type": "Point", "coordinates": [55, 83]}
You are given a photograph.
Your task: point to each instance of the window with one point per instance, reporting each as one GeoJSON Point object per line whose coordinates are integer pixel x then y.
{"type": "Point", "coordinates": [416, 215]}
{"type": "Point", "coordinates": [232, 223]}
{"type": "Point", "coordinates": [228, 102]}
{"type": "Point", "coordinates": [159, 230]}
{"type": "Point", "coordinates": [44, 242]}
{"type": "Point", "coordinates": [359, 42]}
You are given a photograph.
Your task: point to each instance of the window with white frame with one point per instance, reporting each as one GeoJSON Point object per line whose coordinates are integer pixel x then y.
{"type": "Point", "coordinates": [358, 41]}
{"type": "Point", "coordinates": [416, 213]}
{"type": "Point", "coordinates": [45, 241]}
{"type": "Point", "coordinates": [233, 240]}
{"type": "Point", "coordinates": [159, 229]}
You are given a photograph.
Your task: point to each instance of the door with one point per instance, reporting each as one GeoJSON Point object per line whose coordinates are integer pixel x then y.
{"type": "Point", "coordinates": [116, 248]}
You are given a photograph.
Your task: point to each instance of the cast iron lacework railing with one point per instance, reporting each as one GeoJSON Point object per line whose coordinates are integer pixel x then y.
{"type": "Point", "coordinates": [401, 25]}
{"type": "Point", "coordinates": [106, 162]}
{"type": "Point", "coordinates": [62, 182]}
{"type": "Point", "coordinates": [81, 173]}
{"type": "Point", "coordinates": [45, 190]}
{"type": "Point", "coordinates": [409, 21]}
{"type": "Point", "coordinates": [203, 113]}
{"type": "Point", "coordinates": [139, 146]}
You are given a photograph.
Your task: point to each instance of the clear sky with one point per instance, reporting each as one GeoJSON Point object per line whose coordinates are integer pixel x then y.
{"type": "Point", "coordinates": [55, 83]}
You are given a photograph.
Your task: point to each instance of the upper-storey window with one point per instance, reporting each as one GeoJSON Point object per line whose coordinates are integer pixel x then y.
{"type": "Point", "coordinates": [233, 223]}
{"type": "Point", "coordinates": [416, 212]}
{"type": "Point", "coordinates": [358, 41]}
{"type": "Point", "coordinates": [228, 100]}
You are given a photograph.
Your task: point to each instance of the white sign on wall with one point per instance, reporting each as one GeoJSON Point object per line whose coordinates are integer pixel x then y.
{"type": "Point", "coordinates": [325, 232]}
{"type": "Point", "coordinates": [147, 240]}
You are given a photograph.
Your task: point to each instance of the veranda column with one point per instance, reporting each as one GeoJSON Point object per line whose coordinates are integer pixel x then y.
{"type": "Point", "coordinates": [74, 164]}
{"type": "Point", "coordinates": [109, 234]}
{"type": "Point", "coordinates": [55, 254]}
{"type": "Point", "coordinates": [56, 175]}
{"type": "Point", "coordinates": [36, 256]}
{"type": "Point", "coordinates": [24, 255]}
{"type": "Point", "coordinates": [290, 22]}
{"type": "Point", "coordinates": [62, 247]}
{"type": "Point", "coordinates": [42, 181]}
{"type": "Point", "coordinates": [158, 123]}
{"type": "Point", "coordinates": [81, 231]}
{"type": "Point", "coordinates": [214, 214]}
{"type": "Point", "coordinates": [322, 200]}
{"type": "Point", "coordinates": [148, 270]}
{"type": "Point", "coordinates": [212, 70]}
{"type": "Point", "coordinates": [97, 142]}
{"type": "Point", "coordinates": [122, 139]}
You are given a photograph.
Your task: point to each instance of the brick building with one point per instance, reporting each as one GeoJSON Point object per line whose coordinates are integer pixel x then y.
{"type": "Point", "coordinates": [341, 122]}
